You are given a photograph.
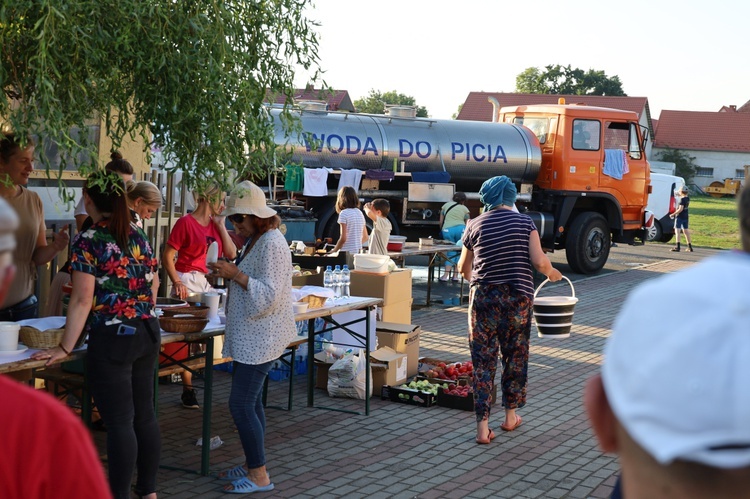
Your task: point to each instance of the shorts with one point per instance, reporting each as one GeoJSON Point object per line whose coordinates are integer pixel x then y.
{"type": "Point", "coordinates": [680, 223]}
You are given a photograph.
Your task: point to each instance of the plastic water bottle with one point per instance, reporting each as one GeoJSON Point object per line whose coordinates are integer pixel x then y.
{"type": "Point", "coordinates": [346, 280]}
{"type": "Point", "coordinates": [328, 278]}
{"type": "Point", "coordinates": [337, 280]}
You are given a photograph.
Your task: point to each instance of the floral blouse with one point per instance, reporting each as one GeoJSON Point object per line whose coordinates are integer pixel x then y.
{"type": "Point", "coordinates": [123, 279]}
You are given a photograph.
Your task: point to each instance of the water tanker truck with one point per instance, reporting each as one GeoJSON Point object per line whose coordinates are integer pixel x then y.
{"type": "Point", "coordinates": [581, 171]}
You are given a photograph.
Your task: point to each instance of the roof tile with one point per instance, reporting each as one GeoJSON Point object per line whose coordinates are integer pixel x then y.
{"type": "Point", "coordinates": [704, 131]}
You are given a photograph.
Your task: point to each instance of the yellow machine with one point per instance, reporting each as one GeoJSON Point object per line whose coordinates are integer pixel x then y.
{"type": "Point", "coordinates": [730, 187]}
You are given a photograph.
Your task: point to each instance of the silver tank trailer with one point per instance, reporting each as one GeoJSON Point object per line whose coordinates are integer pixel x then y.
{"type": "Point", "coordinates": [471, 151]}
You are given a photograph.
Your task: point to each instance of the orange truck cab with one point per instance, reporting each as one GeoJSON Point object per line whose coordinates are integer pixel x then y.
{"type": "Point", "coordinates": [593, 183]}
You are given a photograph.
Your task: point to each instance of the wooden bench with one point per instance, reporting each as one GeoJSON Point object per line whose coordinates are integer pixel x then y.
{"type": "Point", "coordinates": [66, 383]}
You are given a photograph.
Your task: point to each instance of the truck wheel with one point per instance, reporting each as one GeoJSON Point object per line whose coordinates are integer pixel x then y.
{"type": "Point", "coordinates": [654, 233]}
{"type": "Point", "coordinates": [587, 247]}
{"type": "Point", "coordinates": [667, 236]}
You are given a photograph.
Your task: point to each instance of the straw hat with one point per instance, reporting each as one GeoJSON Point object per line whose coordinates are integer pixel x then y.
{"type": "Point", "coordinates": [248, 199]}
{"type": "Point", "coordinates": [8, 226]}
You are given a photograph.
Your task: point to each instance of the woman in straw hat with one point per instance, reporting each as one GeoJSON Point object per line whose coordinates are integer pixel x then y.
{"type": "Point", "coordinates": [260, 325]}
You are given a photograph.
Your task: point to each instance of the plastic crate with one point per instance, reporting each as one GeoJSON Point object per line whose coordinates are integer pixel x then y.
{"type": "Point", "coordinates": [406, 396]}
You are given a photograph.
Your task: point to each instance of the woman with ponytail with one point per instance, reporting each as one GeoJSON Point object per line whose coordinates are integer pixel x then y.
{"type": "Point", "coordinates": [115, 281]}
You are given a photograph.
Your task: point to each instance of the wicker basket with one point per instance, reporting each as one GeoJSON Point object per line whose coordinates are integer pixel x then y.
{"type": "Point", "coordinates": [35, 338]}
{"type": "Point", "coordinates": [196, 310]}
{"type": "Point", "coordinates": [183, 324]}
{"type": "Point", "coordinates": [314, 301]}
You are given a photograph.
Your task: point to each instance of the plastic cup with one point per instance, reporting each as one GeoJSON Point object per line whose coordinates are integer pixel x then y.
{"type": "Point", "coordinates": [9, 336]}
{"type": "Point", "coordinates": [212, 301]}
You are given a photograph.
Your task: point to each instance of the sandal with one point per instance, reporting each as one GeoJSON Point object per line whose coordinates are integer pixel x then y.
{"type": "Point", "coordinates": [443, 278]}
{"type": "Point", "coordinates": [235, 473]}
{"type": "Point", "coordinates": [512, 427]}
{"type": "Point", "coordinates": [245, 486]}
{"type": "Point", "coordinates": [490, 438]}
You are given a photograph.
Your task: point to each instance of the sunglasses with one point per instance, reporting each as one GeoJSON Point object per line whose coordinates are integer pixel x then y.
{"type": "Point", "coordinates": [237, 218]}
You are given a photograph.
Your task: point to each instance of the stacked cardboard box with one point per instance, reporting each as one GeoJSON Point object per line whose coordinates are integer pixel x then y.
{"type": "Point", "coordinates": [403, 338]}
{"type": "Point", "coordinates": [394, 288]}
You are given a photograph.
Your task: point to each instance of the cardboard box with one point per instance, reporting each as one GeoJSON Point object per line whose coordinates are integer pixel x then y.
{"type": "Point", "coordinates": [370, 184]}
{"type": "Point", "coordinates": [321, 371]}
{"type": "Point", "coordinates": [398, 313]}
{"type": "Point", "coordinates": [388, 368]}
{"type": "Point", "coordinates": [392, 288]}
{"type": "Point", "coordinates": [314, 279]}
{"type": "Point", "coordinates": [403, 338]}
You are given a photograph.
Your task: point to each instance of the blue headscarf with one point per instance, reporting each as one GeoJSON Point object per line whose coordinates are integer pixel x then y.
{"type": "Point", "coordinates": [496, 191]}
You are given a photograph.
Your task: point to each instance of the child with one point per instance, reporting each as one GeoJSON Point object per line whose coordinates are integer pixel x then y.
{"type": "Point", "coordinates": [353, 231]}
{"type": "Point", "coordinates": [377, 211]}
{"type": "Point", "coordinates": [681, 219]}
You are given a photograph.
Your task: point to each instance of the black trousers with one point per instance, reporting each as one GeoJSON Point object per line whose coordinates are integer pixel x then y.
{"type": "Point", "coordinates": [121, 370]}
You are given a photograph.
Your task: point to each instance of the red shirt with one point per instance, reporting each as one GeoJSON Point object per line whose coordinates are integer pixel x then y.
{"type": "Point", "coordinates": [45, 451]}
{"type": "Point", "coordinates": [191, 240]}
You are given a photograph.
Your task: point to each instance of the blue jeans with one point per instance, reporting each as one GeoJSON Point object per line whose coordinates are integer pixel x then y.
{"type": "Point", "coordinates": [120, 373]}
{"type": "Point", "coordinates": [246, 407]}
{"type": "Point", "coordinates": [454, 235]}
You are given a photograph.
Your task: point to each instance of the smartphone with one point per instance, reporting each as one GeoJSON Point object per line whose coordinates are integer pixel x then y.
{"type": "Point", "coordinates": [124, 330]}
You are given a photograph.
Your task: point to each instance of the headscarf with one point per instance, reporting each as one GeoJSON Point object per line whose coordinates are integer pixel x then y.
{"type": "Point", "coordinates": [497, 191]}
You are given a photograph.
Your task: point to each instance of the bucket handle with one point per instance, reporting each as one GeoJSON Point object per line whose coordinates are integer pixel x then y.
{"type": "Point", "coordinates": [572, 289]}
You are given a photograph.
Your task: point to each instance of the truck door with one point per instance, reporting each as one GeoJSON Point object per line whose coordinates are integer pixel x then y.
{"type": "Point", "coordinates": [623, 168]}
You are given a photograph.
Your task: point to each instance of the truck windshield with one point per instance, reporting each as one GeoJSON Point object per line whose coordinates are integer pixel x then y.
{"type": "Point", "coordinates": [538, 126]}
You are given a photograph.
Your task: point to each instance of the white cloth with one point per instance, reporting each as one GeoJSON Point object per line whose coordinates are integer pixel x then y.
{"type": "Point", "coordinates": [316, 182]}
{"type": "Point", "coordinates": [260, 320]}
{"type": "Point", "coordinates": [350, 178]}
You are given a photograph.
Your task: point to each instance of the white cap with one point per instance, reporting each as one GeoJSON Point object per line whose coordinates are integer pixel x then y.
{"type": "Point", "coordinates": [677, 366]}
{"type": "Point", "coordinates": [248, 199]}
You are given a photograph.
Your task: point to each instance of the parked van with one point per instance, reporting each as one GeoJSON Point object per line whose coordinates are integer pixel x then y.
{"type": "Point", "coordinates": [662, 202]}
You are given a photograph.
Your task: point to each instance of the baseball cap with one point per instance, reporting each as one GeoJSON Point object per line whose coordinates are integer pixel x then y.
{"type": "Point", "coordinates": [8, 226]}
{"type": "Point", "coordinates": [677, 364]}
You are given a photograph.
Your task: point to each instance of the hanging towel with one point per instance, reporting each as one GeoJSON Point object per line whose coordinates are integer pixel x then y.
{"type": "Point", "coordinates": [293, 178]}
{"type": "Point", "coordinates": [316, 182]}
{"type": "Point", "coordinates": [380, 174]}
{"type": "Point", "coordinates": [615, 163]}
{"type": "Point", "coordinates": [351, 178]}
{"type": "Point", "coordinates": [431, 177]}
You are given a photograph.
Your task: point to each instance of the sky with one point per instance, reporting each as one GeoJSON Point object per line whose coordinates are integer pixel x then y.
{"type": "Point", "coordinates": [687, 55]}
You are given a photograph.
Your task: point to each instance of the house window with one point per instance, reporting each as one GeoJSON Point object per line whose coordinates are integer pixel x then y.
{"type": "Point", "coordinates": [740, 174]}
{"type": "Point", "coordinates": [704, 172]}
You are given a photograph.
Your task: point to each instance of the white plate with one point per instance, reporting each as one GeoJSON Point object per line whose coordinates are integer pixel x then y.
{"type": "Point", "coordinates": [21, 348]}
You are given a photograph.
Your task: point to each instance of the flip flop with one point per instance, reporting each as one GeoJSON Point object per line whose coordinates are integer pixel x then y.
{"type": "Point", "coordinates": [245, 486]}
{"type": "Point", "coordinates": [233, 473]}
{"type": "Point", "coordinates": [511, 428]}
{"type": "Point", "coordinates": [490, 438]}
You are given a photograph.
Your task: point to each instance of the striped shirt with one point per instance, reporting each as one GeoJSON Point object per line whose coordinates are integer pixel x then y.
{"type": "Point", "coordinates": [355, 226]}
{"type": "Point", "coordinates": [499, 240]}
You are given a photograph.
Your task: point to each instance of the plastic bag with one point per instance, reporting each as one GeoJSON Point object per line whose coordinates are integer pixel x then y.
{"type": "Point", "coordinates": [346, 377]}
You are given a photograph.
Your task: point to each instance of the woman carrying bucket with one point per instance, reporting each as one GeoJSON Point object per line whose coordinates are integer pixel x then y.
{"type": "Point", "coordinates": [499, 248]}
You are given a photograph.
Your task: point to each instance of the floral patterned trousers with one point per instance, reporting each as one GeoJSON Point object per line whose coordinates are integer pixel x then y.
{"type": "Point", "coordinates": [499, 321]}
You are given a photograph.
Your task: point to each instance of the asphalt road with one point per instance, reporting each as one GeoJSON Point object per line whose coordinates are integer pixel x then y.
{"type": "Point", "coordinates": [621, 257]}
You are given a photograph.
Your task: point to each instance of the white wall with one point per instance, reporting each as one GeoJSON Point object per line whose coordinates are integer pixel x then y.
{"type": "Point", "coordinates": [723, 163]}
